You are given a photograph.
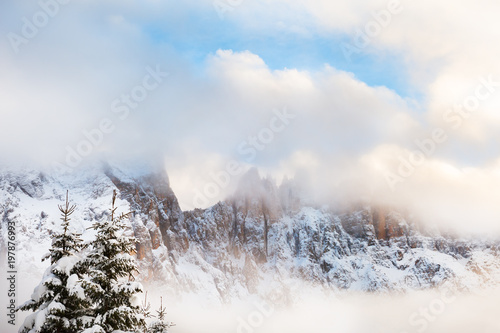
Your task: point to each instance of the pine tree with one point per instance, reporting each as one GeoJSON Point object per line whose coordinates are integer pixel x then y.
{"type": "Point", "coordinates": [160, 325]}
{"type": "Point", "coordinates": [145, 307]}
{"type": "Point", "coordinates": [109, 264]}
{"type": "Point", "coordinates": [58, 302]}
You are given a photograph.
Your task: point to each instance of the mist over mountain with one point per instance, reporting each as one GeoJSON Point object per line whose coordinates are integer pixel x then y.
{"type": "Point", "coordinates": [254, 241]}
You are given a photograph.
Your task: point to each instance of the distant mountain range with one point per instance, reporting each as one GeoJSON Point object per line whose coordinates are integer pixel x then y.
{"type": "Point", "coordinates": [262, 239]}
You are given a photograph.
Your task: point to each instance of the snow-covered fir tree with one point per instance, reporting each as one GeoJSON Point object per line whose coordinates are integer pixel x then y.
{"type": "Point", "coordinates": [110, 283]}
{"type": "Point", "coordinates": [58, 302]}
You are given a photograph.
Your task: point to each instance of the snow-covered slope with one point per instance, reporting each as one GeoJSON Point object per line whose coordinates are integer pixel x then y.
{"type": "Point", "coordinates": [260, 241]}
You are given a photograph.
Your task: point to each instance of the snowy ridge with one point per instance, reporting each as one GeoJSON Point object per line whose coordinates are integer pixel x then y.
{"type": "Point", "coordinates": [260, 242]}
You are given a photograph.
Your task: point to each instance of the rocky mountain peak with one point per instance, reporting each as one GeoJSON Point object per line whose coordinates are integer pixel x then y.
{"type": "Point", "coordinates": [263, 232]}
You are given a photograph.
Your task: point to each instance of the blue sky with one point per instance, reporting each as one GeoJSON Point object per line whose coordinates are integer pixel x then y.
{"type": "Point", "coordinates": [201, 35]}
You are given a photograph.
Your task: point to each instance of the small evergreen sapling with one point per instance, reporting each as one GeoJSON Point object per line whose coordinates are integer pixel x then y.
{"type": "Point", "coordinates": [145, 308]}
{"type": "Point", "coordinates": [160, 325]}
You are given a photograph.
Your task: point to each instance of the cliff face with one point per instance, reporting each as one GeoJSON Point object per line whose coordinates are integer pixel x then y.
{"type": "Point", "coordinates": [257, 241]}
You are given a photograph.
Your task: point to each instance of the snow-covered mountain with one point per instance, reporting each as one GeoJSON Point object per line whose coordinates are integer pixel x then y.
{"type": "Point", "coordinates": [262, 240]}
